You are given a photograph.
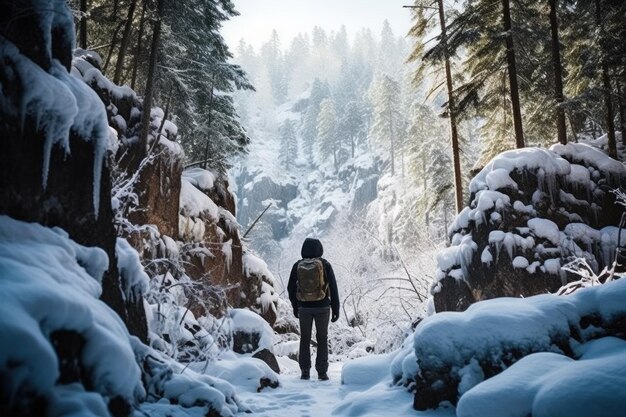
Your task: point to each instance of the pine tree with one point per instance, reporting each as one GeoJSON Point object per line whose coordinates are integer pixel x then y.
{"type": "Point", "coordinates": [202, 81]}
{"type": "Point", "coordinates": [181, 63]}
{"type": "Point", "coordinates": [419, 31]}
{"type": "Point", "coordinates": [319, 91]}
{"type": "Point", "coordinates": [352, 126]}
{"type": "Point", "coordinates": [297, 68]}
{"type": "Point", "coordinates": [288, 144]}
{"type": "Point", "coordinates": [387, 117]}
{"type": "Point", "coordinates": [328, 143]}
{"type": "Point", "coordinates": [274, 61]}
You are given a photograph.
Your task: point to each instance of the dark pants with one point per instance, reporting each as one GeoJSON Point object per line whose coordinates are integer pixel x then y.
{"type": "Point", "coordinates": [320, 316]}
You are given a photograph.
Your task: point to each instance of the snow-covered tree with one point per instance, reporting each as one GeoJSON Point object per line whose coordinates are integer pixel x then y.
{"type": "Point", "coordinates": [319, 91]}
{"type": "Point", "coordinates": [387, 116]}
{"type": "Point", "coordinates": [328, 143]}
{"type": "Point", "coordinates": [352, 127]}
{"type": "Point", "coordinates": [273, 59]}
{"type": "Point", "coordinates": [288, 144]}
{"type": "Point", "coordinates": [196, 80]}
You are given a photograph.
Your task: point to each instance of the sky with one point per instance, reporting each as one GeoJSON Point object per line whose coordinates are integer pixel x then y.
{"type": "Point", "coordinates": [289, 17]}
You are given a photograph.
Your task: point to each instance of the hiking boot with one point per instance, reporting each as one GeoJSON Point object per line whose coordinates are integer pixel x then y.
{"type": "Point", "coordinates": [323, 376]}
{"type": "Point", "coordinates": [305, 375]}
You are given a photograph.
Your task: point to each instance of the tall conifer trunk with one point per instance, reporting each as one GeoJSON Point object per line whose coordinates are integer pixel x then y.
{"type": "Point", "coordinates": [152, 68]}
{"type": "Point", "coordinates": [606, 86]}
{"type": "Point", "coordinates": [558, 77]}
{"type": "Point", "coordinates": [83, 24]}
{"type": "Point", "coordinates": [139, 45]}
{"type": "Point", "coordinates": [119, 67]}
{"type": "Point", "coordinates": [512, 69]}
{"type": "Point", "coordinates": [622, 111]}
{"type": "Point", "coordinates": [458, 181]}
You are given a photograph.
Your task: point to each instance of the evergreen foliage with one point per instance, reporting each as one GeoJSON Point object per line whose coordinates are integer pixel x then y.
{"type": "Point", "coordinates": [319, 92]}
{"type": "Point", "coordinates": [194, 80]}
{"type": "Point", "coordinates": [388, 119]}
{"type": "Point", "coordinates": [591, 35]}
{"type": "Point", "coordinates": [352, 126]}
{"type": "Point", "coordinates": [329, 145]}
{"type": "Point", "coordinates": [288, 144]}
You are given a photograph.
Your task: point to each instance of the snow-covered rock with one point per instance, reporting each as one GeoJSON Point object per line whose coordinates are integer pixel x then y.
{"type": "Point", "coordinates": [531, 210]}
{"type": "Point", "coordinates": [55, 141]}
{"type": "Point", "coordinates": [457, 351]}
{"type": "Point", "coordinates": [549, 384]}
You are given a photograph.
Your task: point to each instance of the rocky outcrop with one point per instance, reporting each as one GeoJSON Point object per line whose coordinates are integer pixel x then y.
{"type": "Point", "coordinates": [69, 187]}
{"type": "Point", "coordinates": [302, 204]}
{"type": "Point", "coordinates": [53, 167]}
{"type": "Point", "coordinates": [214, 253]}
{"type": "Point", "coordinates": [256, 191]}
{"type": "Point", "coordinates": [531, 211]}
{"type": "Point", "coordinates": [181, 222]}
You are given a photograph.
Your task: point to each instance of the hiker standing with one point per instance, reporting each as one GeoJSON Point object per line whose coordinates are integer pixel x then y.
{"type": "Point", "coordinates": [313, 294]}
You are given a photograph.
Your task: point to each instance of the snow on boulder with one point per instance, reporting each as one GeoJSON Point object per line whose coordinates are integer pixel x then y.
{"type": "Point", "coordinates": [250, 332]}
{"type": "Point", "coordinates": [550, 384]}
{"type": "Point", "coordinates": [194, 202]}
{"type": "Point", "coordinates": [366, 371]}
{"type": "Point", "coordinates": [457, 351]}
{"type": "Point", "coordinates": [244, 372]}
{"type": "Point", "coordinates": [64, 349]}
{"type": "Point", "coordinates": [55, 330]}
{"type": "Point", "coordinates": [260, 284]}
{"type": "Point", "coordinates": [201, 178]}
{"type": "Point", "coordinates": [253, 335]}
{"type": "Point", "coordinates": [530, 211]}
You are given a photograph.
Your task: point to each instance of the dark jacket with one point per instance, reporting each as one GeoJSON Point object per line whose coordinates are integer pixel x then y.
{"type": "Point", "coordinates": [312, 248]}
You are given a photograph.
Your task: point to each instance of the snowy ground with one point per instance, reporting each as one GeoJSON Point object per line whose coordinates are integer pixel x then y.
{"type": "Point", "coordinates": [315, 398]}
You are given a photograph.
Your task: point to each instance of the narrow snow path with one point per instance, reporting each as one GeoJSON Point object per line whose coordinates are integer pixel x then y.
{"type": "Point", "coordinates": [314, 398]}
{"type": "Point", "coordinates": [295, 397]}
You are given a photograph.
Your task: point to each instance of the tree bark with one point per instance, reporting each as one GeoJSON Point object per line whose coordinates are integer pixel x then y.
{"type": "Point", "coordinates": [166, 114]}
{"type": "Point", "coordinates": [112, 47]}
{"type": "Point", "coordinates": [209, 121]}
{"type": "Point", "coordinates": [606, 84]}
{"type": "Point", "coordinates": [512, 69]}
{"type": "Point", "coordinates": [152, 69]}
{"type": "Point", "coordinates": [622, 110]}
{"type": "Point", "coordinates": [83, 24]}
{"type": "Point", "coordinates": [572, 126]}
{"type": "Point", "coordinates": [454, 136]}
{"type": "Point", "coordinates": [139, 45]}
{"type": "Point", "coordinates": [119, 67]}
{"type": "Point", "coordinates": [558, 77]}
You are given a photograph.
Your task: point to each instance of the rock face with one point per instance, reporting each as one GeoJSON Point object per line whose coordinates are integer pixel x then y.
{"type": "Point", "coordinates": [306, 204]}
{"type": "Point", "coordinates": [53, 167]}
{"type": "Point", "coordinates": [181, 222]}
{"type": "Point", "coordinates": [530, 212]}
{"type": "Point", "coordinates": [256, 191]}
{"type": "Point", "coordinates": [215, 252]}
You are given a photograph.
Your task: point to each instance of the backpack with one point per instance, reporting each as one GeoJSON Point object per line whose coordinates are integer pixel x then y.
{"type": "Point", "coordinates": [312, 285]}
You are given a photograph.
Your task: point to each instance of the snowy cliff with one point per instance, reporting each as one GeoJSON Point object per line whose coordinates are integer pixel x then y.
{"type": "Point", "coordinates": [96, 298]}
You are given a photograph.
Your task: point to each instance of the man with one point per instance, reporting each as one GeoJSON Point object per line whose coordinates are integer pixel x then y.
{"type": "Point", "coordinates": [313, 295]}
